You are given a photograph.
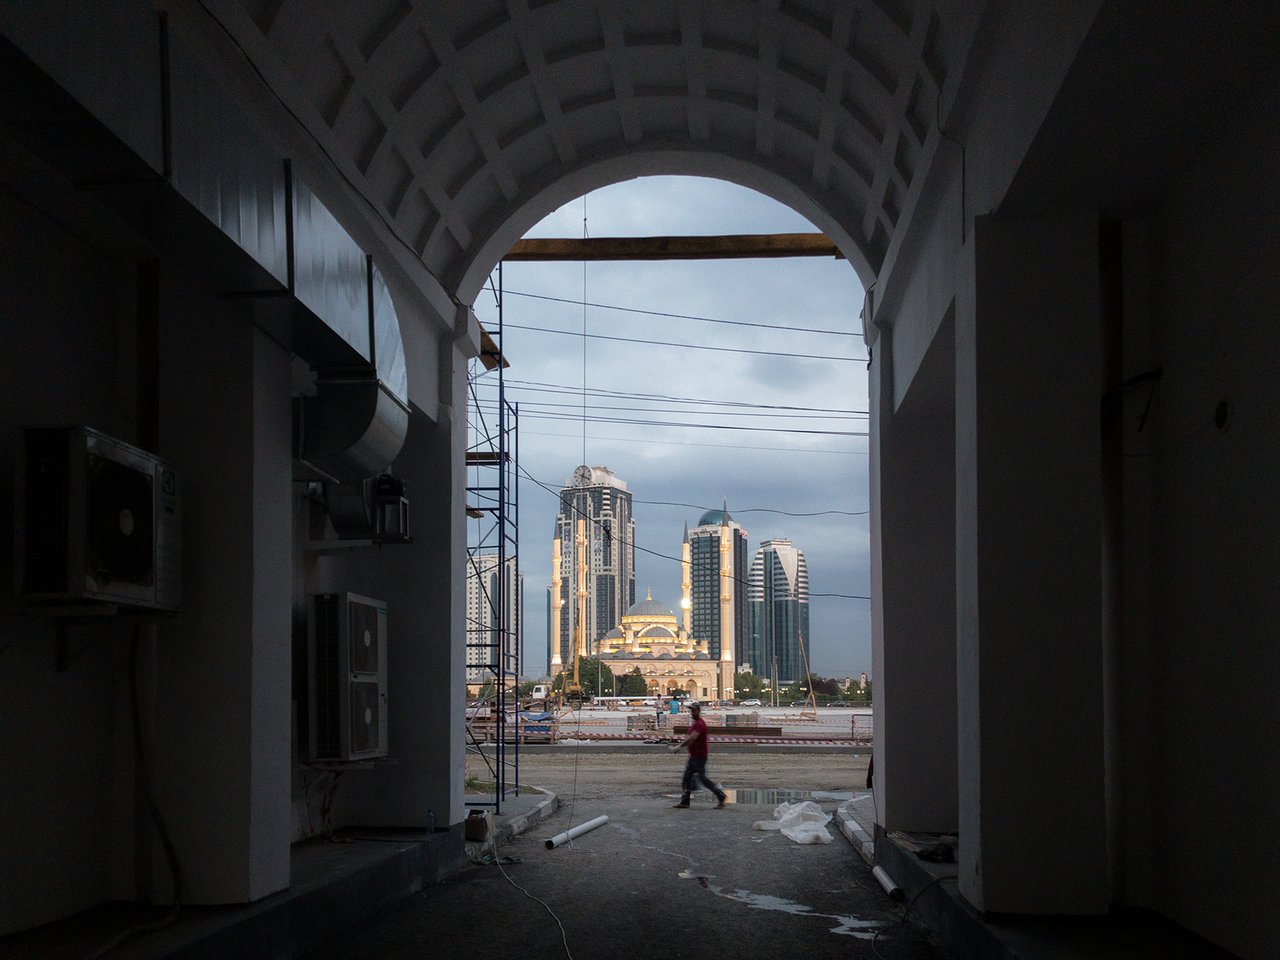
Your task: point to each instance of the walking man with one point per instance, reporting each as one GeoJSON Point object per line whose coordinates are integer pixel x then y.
{"type": "Point", "coordinates": [695, 770]}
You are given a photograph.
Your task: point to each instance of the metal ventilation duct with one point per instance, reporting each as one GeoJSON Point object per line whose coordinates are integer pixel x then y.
{"type": "Point", "coordinates": [356, 423]}
{"type": "Point", "coordinates": [201, 181]}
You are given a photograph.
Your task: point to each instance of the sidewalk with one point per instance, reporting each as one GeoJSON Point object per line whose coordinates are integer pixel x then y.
{"type": "Point", "coordinates": [335, 884]}
{"type": "Point", "coordinates": [931, 891]}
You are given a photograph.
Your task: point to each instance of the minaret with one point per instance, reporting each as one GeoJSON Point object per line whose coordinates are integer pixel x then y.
{"type": "Point", "coordinates": [726, 603]}
{"type": "Point", "coordinates": [557, 601]}
{"type": "Point", "coordinates": [686, 582]}
{"type": "Point", "coordinates": [580, 626]}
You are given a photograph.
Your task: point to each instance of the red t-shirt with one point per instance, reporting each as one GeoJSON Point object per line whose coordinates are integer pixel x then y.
{"type": "Point", "coordinates": [698, 745]}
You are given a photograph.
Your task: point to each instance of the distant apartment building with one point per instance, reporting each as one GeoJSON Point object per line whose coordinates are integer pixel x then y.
{"type": "Point", "coordinates": [718, 557]}
{"type": "Point", "coordinates": [598, 498]}
{"type": "Point", "coordinates": [778, 612]}
{"type": "Point", "coordinates": [491, 635]}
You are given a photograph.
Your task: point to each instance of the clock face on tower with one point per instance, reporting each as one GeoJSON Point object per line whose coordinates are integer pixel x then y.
{"type": "Point", "coordinates": [582, 476]}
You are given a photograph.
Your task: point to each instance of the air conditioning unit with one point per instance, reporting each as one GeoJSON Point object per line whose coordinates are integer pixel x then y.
{"type": "Point", "coordinates": [97, 520]}
{"type": "Point", "coordinates": [348, 677]}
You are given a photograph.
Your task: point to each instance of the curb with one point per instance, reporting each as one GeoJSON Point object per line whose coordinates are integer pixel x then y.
{"type": "Point", "coordinates": [504, 828]}
{"type": "Point", "coordinates": [861, 840]}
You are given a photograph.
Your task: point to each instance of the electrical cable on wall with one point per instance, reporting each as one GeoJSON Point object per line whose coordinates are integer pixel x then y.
{"type": "Point", "coordinates": [143, 771]}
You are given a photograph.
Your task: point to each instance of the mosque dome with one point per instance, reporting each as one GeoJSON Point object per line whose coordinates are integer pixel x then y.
{"type": "Point", "coordinates": [715, 518]}
{"type": "Point", "coordinates": [657, 631]}
{"type": "Point", "coordinates": [649, 607]}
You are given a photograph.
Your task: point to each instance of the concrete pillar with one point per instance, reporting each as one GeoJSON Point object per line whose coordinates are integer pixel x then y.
{"type": "Point", "coordinates": [424, 586]}
{"type": "Point", "coordinates": [221, 763]}
{"type": "Point", "coordinates": [913, 591]}
{"type": "Point", "coordinates": [1028, 549]}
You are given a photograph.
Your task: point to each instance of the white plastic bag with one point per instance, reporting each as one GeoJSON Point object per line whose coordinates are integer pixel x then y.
{"type": "Point", "coordinates": [803, 822]}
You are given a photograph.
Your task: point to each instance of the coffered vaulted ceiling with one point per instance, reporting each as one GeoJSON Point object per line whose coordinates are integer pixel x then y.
{"type": "Point", "coordinates": [465, 122]}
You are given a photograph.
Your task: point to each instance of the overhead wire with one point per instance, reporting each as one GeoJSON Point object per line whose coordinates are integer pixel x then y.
{"type": "Point", "coordinates": [664, 556]}
{"type": "Point", "coordinates": [687, 346]}
{"type": "Point", "coordinates": [541, 404]}
{"type": "Point", "coordinates": [541, 386]}
{"type": "Point", "coordinates": [695, 443]}
{"type": "Point", "coordinates": [698, 426]}
{"type": "Point", "coordinates": [685, 316]}
{"type": "Point", "coordinates": [785, 513]}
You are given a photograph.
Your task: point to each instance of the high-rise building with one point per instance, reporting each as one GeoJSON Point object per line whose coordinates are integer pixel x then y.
{"type": "Point", "coordinates": [778, 612]}
{"type": "Point", "coordinates": [489, 634]}
{"type": "Point", "coordinates": [718, 583]}
{"type": "Point", "coordinates": [596, 507]}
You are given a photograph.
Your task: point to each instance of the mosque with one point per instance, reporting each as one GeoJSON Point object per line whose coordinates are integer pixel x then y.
{"type": "Point", "coordinates": [668, 657]}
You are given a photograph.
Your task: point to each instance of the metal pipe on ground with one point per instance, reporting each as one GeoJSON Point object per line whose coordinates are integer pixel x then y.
{"type": "Point", "coordinates": [577, 831]}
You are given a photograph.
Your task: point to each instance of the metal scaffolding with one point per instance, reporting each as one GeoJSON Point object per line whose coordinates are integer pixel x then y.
{"type": "Point", "coordinates": [495, 630]}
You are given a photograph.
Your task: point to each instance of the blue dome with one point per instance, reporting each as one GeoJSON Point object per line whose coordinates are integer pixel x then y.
{"type": "Point", "coordinates": [715, 518]}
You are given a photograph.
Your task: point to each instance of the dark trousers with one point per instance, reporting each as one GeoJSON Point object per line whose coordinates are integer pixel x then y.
{"type": "Point", "coordinates": [695, 772]}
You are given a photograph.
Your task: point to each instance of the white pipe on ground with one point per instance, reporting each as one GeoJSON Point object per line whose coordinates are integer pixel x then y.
{"type": "Point", "coordinates": [892, 889]}
{"type": "Point", "coordinates": [577, 831]}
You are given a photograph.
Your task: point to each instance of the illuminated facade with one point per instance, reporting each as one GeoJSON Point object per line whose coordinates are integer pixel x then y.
{"type": "Point", "coordinates": [596, 496]}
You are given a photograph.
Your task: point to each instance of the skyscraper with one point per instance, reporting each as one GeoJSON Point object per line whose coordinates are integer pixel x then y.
{"type": "Point", "coordinates": [778, 612]}
{"type": "Point", "coordinates": [485, 627]}
{"type": "Point", "coordinates": [595, 505]}
{"type": "Point", "coordinates": [718, 565]}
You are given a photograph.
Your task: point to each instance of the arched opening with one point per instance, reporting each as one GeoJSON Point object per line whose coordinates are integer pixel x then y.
{"type": "Point", "coordinates": [696, 385]}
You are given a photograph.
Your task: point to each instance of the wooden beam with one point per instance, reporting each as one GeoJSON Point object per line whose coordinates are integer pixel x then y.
{"type": "Point", "coordinates": [489, 353]}
{"type": "Point", "coordinates": [743, 246]}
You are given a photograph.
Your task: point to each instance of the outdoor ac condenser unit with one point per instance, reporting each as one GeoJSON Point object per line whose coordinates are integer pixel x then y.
{"type": "Point", "coordinates": [97, 520]}
{"type": "Point", "coordinates": [348, 677]}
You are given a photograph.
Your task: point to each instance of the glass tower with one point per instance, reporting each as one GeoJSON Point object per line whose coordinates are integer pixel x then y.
{"type": "Point", "coordinates": [704, 553]}
{"type": "Point", "coordinates": [778, 612]}
{"type": "Point", "coordinates": [598, 496]}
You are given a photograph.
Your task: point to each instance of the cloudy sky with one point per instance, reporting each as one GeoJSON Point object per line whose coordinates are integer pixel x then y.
{"type": "Point", "coordinates": [813, 460]}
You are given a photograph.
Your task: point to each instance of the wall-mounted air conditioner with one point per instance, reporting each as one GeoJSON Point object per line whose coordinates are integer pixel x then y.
{"type": "Point", "coordinates": [97, 520]}
{"type": "Point", "coordinates": [347, 692]}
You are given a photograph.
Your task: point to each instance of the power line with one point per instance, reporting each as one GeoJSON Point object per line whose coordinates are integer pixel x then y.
{"type": "Point", "coordinates": [663, 556]}
{"type": "Point", "coordinates": [696, 426]}
{"type": "Point", "coordinates": [540, 386]}
{"type": "Point", "coordinates": [685, 316]}
{"type": "Point", "coordinates": [550, 407]}
{"type": "Point", "coordinates": [785, 513]}
{"type": "Point", "coordinates": [695, 443]}
{"type": "Point", "coordinates": [684, 346]}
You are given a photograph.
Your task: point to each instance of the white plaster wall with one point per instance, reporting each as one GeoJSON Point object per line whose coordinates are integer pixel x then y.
{"type": "Point", "coordinates": [59, 365]}
{"type": "Point", "coordinates": [222, 674]}
{"type": "Point", "coordinates": [425, 590]}
{"type": "Point", "coordinates": [1216, 538]}
{"type": "Point", "coordinates": [991, 119]}
{"type": "Point", "coordinates": [914, 594]}
{"type": "Point", "coordinates": [1028, 548]}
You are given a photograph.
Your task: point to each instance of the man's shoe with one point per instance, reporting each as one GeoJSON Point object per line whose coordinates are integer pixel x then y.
{"type": "Point", "coordinates": [682, 805]}
{"type": "Point", "coordinates": [720, 805]}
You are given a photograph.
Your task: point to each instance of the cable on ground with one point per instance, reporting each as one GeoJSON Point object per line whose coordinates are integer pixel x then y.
{"type": "Point", "coordinates": [564, 936]}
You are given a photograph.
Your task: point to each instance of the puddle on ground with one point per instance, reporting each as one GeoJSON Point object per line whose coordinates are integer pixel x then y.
{"type": "Point", "coordinates": [845, 925]}
{"type": "Point", "coordinates": [773, 797]}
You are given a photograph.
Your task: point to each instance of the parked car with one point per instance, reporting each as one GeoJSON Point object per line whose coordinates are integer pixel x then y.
{"type": "Point", "coordinates": [753, 702]}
